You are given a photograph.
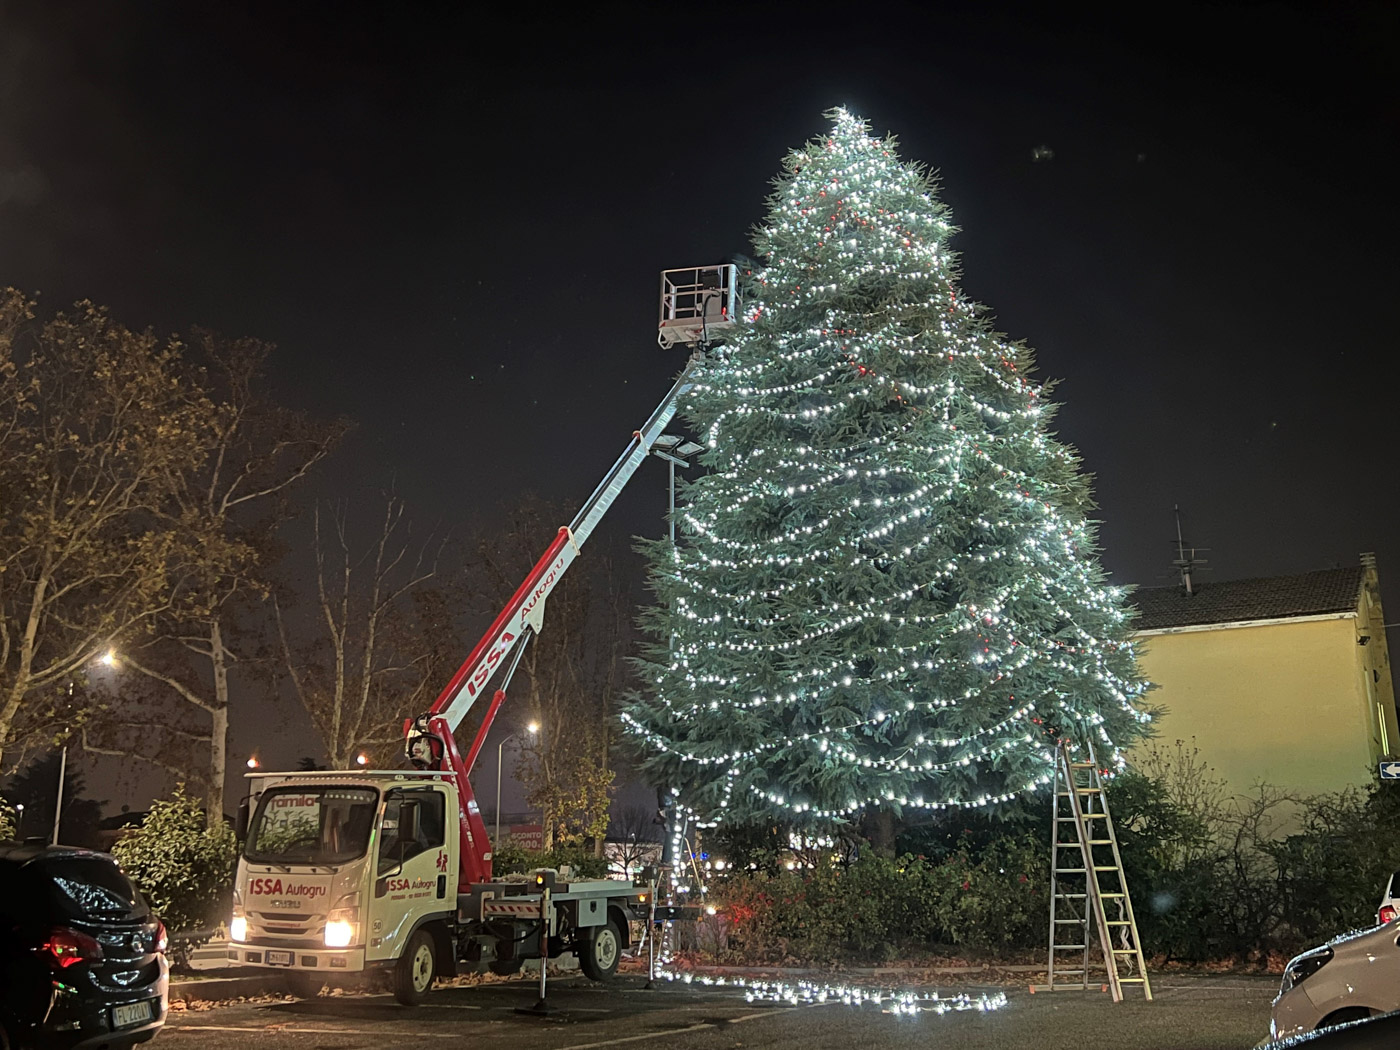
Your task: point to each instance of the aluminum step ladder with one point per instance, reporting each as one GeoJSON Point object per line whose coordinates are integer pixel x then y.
{"type": "Point", "coordinates": [1087, 884]}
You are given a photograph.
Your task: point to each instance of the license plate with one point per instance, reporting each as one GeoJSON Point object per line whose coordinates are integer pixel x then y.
{"type": "Point", "coordinates": [131, 1013]}
{"type": "Point", "coordinates": [279, 958]}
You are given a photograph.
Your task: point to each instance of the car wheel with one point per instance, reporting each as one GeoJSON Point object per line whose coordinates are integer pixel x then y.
{"type": "Point", "coordinates": [413, 973]}
{"type": "Point", "coordinates": [1344, 1016]}
{"type": "Point", "coordinates": [602, 950]}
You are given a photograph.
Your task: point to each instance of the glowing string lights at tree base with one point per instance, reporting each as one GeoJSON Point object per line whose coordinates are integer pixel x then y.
{"type": "Point", "coordinates": [905, 1002]}
{"type": "Point", "coordinates": [814, 993]}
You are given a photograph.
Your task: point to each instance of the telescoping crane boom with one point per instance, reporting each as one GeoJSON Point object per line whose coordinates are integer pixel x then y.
{"type": "Point", "coordinates": [689, 311]}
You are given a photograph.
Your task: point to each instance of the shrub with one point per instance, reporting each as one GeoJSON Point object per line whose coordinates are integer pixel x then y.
{"type": "Point", "coordinates": [184, 869]}
{"type": "Point", "coordinates": [511, 859]}
{"type": "Point", "coordinates": [7, 821]}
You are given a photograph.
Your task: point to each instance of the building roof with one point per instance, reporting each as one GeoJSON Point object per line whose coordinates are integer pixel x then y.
{"type": "Point", "coordinates": [1263, 598]}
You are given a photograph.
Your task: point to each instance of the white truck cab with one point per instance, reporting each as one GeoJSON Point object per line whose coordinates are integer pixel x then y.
{"type": "Point", "coordinates": [340, 870]}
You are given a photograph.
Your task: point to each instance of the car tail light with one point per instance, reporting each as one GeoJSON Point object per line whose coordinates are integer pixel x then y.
{"type": "Point", "coordinates": [1386, 913]}
{"type": "Point", "coordinates": [65, 948]}
{"type": "Point", "coordinates": [162, 941]}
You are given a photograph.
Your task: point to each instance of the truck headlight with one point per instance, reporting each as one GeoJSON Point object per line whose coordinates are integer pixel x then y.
{"type": "Point", "coordinates": [339, 933]}
{"type": "Point", "coordinates": [238, 928]}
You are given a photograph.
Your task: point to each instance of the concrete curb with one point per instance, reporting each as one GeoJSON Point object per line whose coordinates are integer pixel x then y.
{"type": "Point", "coordinates": [217, 989]}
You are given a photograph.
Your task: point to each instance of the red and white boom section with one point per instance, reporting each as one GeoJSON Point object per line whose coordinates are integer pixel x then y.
{"type": "Point", "coordinates": [429, 742]}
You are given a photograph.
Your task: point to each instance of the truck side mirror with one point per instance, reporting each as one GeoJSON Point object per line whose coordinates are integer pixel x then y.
{"type": "Point", "coordinates": [240, 822]}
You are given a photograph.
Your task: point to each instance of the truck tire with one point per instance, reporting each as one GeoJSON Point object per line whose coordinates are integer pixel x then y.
{"type": "Point", "coordinates": [602, 950]}
{"type": "Point", "coordinates": [413, 973]}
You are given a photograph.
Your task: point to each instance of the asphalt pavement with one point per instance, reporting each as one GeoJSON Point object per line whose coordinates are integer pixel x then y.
{"type": "Point", "coordinates": [1188, 1013]}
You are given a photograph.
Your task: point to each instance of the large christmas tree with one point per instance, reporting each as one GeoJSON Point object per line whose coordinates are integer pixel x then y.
{"type": "Point", "coordinates": [886, 592]}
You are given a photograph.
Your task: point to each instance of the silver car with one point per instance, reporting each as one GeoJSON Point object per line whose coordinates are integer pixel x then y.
{"type": "Point", "coordinates": [1349, 978]}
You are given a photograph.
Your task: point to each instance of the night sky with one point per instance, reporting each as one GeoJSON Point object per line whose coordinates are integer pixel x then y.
{"type": "Point", "coordinates": [453, 227]}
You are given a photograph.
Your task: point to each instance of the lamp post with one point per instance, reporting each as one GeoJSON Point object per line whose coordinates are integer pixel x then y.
{"type": "Point", "coordinates": [532, 728]}
{"type": "Point", "coordinates": [676, 451]}
{"type": "Point", "coordinates": [107, 659]}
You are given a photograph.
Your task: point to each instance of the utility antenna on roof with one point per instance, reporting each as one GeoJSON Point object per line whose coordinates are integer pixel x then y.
{"type": "Point", "coordinates": [1185, 563]}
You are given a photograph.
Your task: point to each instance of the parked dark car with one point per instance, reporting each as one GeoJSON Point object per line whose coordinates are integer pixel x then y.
{"type": "Point", "coordinates": [82, 959]}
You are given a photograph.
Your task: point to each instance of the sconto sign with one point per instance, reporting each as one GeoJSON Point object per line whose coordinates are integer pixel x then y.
{"type": "Point", "coordinates": [527, 836]}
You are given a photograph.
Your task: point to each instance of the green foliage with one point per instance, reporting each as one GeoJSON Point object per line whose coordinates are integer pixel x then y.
{"type": "Point", "coordinates": [510, 859]}
{"type": "Point", "coordinates": [877, 908]}
{"type": "Point", "coordinates": [1213, 877]}
{"type": "Point", "coordinates": [1331, 874]}
{"type": "Point", "coordinates": [184, 869]}
{"type": "Point", "coordinates": [7, 820]}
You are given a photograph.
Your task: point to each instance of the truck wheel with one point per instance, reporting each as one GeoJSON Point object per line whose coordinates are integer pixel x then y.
{"type": "Point", "coordinates": [413, 973]}
{"type": "Point", "coordinates": [602, 950]}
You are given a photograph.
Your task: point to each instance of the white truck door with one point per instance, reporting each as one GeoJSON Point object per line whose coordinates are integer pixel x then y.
{"type": "Point", "coordinates": [411, 878]}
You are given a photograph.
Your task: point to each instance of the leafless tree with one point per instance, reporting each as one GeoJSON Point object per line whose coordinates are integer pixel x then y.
{"type": "Point", "coordinates": [635, 838]}
{"type": "Point", "coordinates": [569, 677]}
{"type": "Point", "coordinates": [380, 641]}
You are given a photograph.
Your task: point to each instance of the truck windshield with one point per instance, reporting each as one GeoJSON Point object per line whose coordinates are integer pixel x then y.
{"type": "Point", "coordinates": [311, 825]}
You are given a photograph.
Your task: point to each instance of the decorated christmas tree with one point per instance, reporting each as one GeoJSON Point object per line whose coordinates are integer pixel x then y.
{"type": "Point", "coordinates": [885, 591]}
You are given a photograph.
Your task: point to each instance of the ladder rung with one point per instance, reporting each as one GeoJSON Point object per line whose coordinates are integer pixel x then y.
{"type": "Point", "coordinates": [1082, 765]}
{"type": "Point", "coordinates": [1060, 970]}
{"type": "Point", "coordinates": [1077, 921]}
{"type": "Point", "coordinates": [1071, 947]}
{"type": "Point", "coordinates": [1124, 951]}
{"type": "Point", "coordinates": [1069, 871]}
{"type": "Point", "coordinates": [1115, 922]}
{"type": "Point", "coordinates": [1101, 842]}
{"type": "Point", "coordinates": [1105, 867]}
{"type": "Point", "coordinates": [1114, 896]}
{"type": "Point", "coordinates": [1069, 896]}
{"type": "Point", "coordinates": [1086, 791]}
{"type": "Point", "coordinates": [1132, 980]}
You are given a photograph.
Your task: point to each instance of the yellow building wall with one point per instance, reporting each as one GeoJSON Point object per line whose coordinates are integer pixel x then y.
{"type": "Point", "coordinates": [1282, 703]}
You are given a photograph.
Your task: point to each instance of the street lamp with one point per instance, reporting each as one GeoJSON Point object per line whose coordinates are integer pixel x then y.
{"type": "Point", "coordinates": [676, 451]}
{"type": "Point", "coordinates": [253, 762]}
{"type": "Point", "coordinates": [532, 729]}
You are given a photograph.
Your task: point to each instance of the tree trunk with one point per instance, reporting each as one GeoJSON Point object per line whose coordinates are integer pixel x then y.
{"type": "Point", "coordinates": [879, 830]}
{"type": "Point", "coordinates": [218, 730]}
{"type": "Point", "coordinates": [218, 765]}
